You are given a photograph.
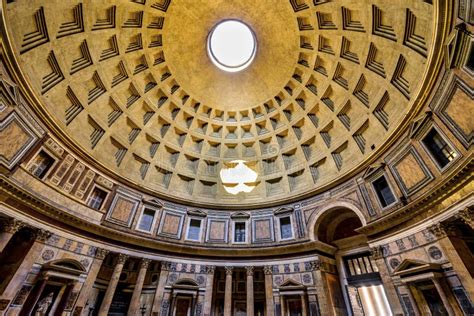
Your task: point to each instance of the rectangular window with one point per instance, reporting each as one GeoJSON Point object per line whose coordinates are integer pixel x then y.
{"type": "Point", "coordinates": [146, 220]}
{"type": "Point", "coordinates": [43, 163]}
{"type": "Point", "coordinates": [440, 150]}
{"type": "Point", "coordinates": [286, 231]}
{"type": "Point", "coordinates": [97, 198]}
{"type": "Point", "coordinates": [239, 232]}
{"type": "Point", "coordinates": [384, 193]}
{"type": "Point", "coordinates": [194, 229]}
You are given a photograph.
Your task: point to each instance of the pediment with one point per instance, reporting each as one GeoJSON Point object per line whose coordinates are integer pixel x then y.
{"type": "Point", "coordinates": [372, 170]}
{"type": "Point", "coordinates": [283, 210]}
{"type": "Point", "coordinates": [155, 202]}
{"type": "Point", "coordinates": [290, 283]}
{"type": "Point", "coordinates": [419, 124]}
{"type": "Point", "coordinates": [198, 213]}
{"type": "Point", "coordinates": [411, 266]}
{"type": "Point", "coordinates": [240, 215]}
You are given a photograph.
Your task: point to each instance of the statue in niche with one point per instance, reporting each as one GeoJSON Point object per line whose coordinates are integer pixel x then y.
{"type": "Point", "coordinates": [44, 304]}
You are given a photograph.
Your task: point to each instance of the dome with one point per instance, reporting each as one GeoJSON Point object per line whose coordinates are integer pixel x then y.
{"type": "Point", "coordinates": [131, 87]}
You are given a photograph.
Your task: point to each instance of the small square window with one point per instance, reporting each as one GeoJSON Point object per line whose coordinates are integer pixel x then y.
{"type": "Point", "coordinates": [286, 231]}
{"type": "Point", "coordinates": [384, 193]}
{"type": "Point", "coordinates": [239, 232]}
{"type": "Point", "coordinates": [41, 164]}
{"type": "Point", "coordinates": [439, 149]}
{"type": "Point", "coordinates": [194, 229]}
{"type": "Point", "coordinates": [146, 220]}
{"type": "Point", "coordinates": [96, 198]}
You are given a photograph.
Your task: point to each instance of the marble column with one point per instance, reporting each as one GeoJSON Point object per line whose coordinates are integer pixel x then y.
{"type": "Point", "coordinates": [451, 308]}
{"type": "Point", "coordinates": [8, 227]}
{"type": "Point", "coordinates": [21, 273]}
{"type": "Point", "coordinates": [84, 294]}
{"type": "Point", "coordinates": [209, 289]}
{"type": "Point", "coordinates": [304, 309]}
{"type": "Point", "coordinates": [419, 299]}
{"type": "Point", "coordinates": [441, 232]}
{"type": "Point", "coordinates": [228, 291]}
{"type": "Point", "coordinates": [33, 298]}
{"type": "Point", "coordinates": [109, 293]}
{"type": "Point", "coordinates": [250, 295]}
{"type": "Point", "coordinates": [390, 290]}
{"type": "Point", "coordinates": [134, 306]}
{"type": "Point", "coordinates": [269, 291]}
{"type": "Point", "coordinates": [160, 288]}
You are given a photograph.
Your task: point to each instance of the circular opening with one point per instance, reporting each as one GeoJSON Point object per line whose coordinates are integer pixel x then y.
{"type": "Point", "coordinates": [231, 45]}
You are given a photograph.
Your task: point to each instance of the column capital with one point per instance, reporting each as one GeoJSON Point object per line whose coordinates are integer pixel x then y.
{"type": "Point", "coordinates": [228, 270]}
{"type": "Point", "coordinates": [268, 270]}
{"type": "Point", "coordinates": [441, 230]}
{"type": "Point", "coordinates": [101, 253]}
{"type": "Point", "coordinates": [466, 215]}
{"type": "Point", "coordinates": [250, 270]}
{"type": "Point", "coordinates": [122, 258]}
{"type": "Point", "coordinates": [42, 235]}
{"type": "Point", "coordinates": [210, 269]}
{"type": "Point", "coordinates": [144, 263]}
{"type": "Point", "coordinates": [11, 225]}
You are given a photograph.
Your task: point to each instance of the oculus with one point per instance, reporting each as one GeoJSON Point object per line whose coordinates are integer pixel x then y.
{"type": "Point", "coordinates": [231, 45]}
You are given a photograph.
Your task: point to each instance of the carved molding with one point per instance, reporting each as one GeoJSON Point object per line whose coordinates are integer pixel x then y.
{"type": "Point", "coordinates": [228, 270]}
{"type": "Point", "coordinates": [250, 270]}
{"type": "Point", "coordinates": [268, 270]}
{"type": "Point", "coordinates": [11, 225]}
{"type": "Point", "coordinates": [101, 253]}
{"type": "Point", "coordinates": [122, 258]}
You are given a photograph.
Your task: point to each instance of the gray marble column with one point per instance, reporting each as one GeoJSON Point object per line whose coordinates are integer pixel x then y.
{"type": "Point", "coordinates": [250, 294]}
{"type": "Point", "coordinates": [228, 291]}
{"type": "Point", "coordinates": [109, 293]}
{"type": "Point", "coordinates": [134, 306]}
{"type": "Point", "coordinates": [269, 290]}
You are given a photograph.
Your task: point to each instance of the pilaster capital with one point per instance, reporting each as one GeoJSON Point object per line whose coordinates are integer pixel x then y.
{"type": "Point", "coordinates": [210, 269]}
{"type": "Point", "coordinates": [101, 253]}
{"type": "Point", "coordinates": [165, 265]}
{"type": "Point", "coordinates": [315, 265]}
{"type": "Point", "coordinates": [42, 235]}
{"type": "Point", "coordinates": [376, 252]}
{"type": "Point", "coordinates": [268, 270]}
{"type": "Point", "coordinates": [228, 270]}
{"type": "Point", "coordinates": [144, 263]}
{"type": "Point", "coordinates": [250, 270]}
{"type": "Point", "coordinates": [122, 258]}
{"type": "Point", "coordinates": [11, 225]}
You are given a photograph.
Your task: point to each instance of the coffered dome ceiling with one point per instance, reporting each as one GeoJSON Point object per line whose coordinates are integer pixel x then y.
{"type": "Point", "coordinates": [130, 86]}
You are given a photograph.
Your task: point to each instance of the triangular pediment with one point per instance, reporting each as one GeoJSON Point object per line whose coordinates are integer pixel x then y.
{"type": "Point", "coordinates": [290, 283]}
{"type": "Point", "coordinates": [198, 213]}
{"type": "Point", "coordinates": [373, 169]}
{"type": "Point", "coordinates": [240, 215]}
{"type": "Point", "coordinates": [419, 124]}
{"type": "Point", "coordinates": [155, 202]}
{"type": "Point", "coordinates": [283, 210]}
{"type": "Point", "coordinates": [411, 266]}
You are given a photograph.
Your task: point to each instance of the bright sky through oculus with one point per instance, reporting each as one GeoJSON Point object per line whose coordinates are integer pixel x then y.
{"type": "Point", "coordinates": [231, 46]}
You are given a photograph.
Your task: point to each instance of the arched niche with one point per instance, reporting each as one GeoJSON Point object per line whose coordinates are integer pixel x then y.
{"type": "Point", "coordinates": [337, 222]}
